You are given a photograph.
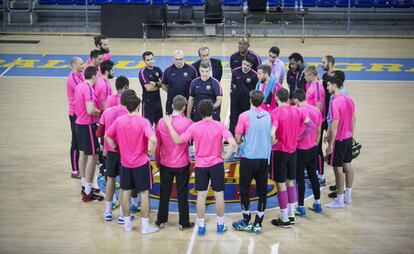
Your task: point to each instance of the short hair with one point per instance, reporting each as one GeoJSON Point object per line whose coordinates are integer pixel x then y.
{"type": "Point", "coordinates": [179, 102]}
{"type": "Point", "coordinates": [340, 74]}
{"type": "Point", "coordinates": [95, 53]}
{"type": "Point", "coordinates": [121, 82]}
{"type": "Point", "coordinates": [98, 40]}
{"type": "Point", "coordinates": [147, 53]}
{"type": "Point", "coordinates": [275, 50]}
{"type": "Point", "coordinates": [299, 94]}
{"type": "Point", "coordinates": [312, 70]}
{"type": "Point", "coordinates": [282, 94]}
{"type": "Point", "coordinates": [107, 65]}
{"type": "Point", "coordinates": [205, 65]}
{"type": "Point", "coordinates": [330, 59]}
{"type": "Point", "coordinates": [125, 95]}
{"type": "Point", "coordinates": [265, 68]}
{"type": "Point", "coordinates": [74, 60]}
{"type": "Point", "coordinates": [132, 103]}
{"type": "Point", "coordinates": [202, 49]}
{"type": "Point", "coordinates": [256, 97]}
{"type": "Point", "coordinates": [205, 108]}
{"type": "Point", "coordinates": [296, 56]}
{"type": "Point", "coordinates": [248, 58]}
{"type": "Point", "coordinates": [90, 71]}
{"type": "Point", "coordinates": [335, 80]}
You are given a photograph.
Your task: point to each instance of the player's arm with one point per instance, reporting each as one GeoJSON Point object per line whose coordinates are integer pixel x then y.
{"type": "Point", "coordinates": [104, 105]}
{"type": "Point", "coordinates": [334, 129]}
{"type": "Point", "coordinates": [91, 110]}
{"type": "Point", "coordinates": [173, 133]}
{"type": "Point", "coordinates": [230, 148]}
{"type": "Point", "coordinates": [218, 101]}
{"type": "Point", "coordinates": [111, 142]}
{"type": "Point", "coordinates": [152, 145]}
{"type": "Point", "coordinates": [309, 127]}
{"type": "Point", "coordinates": [319, 105]}
{"type": "Point", "coordinates": [318, 134]}
{"type": "Point", "coordinates": [190, 106]}
{"type": "Point", "coordinates": [239, 139]}
{"type": "Point", "coordinates": [273, 135]}
{"type": "Point", "coordinates": [151, 86]}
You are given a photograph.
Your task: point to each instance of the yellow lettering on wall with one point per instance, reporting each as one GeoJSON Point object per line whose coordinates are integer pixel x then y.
{"type": "Point", "coordinates": [54, 64]}
{"type": "Point", "coordinates": [349, 66]}
{"type": "Point", "coordinates": [386, 67]}
{"type": "Point", "coordinates": [125, 65]}
{"type": "Point", "coordinates": [410, 70]}
{"type": "Point", "coordinates": [2, 61]}
{"type": "Point", "coordinates": [23, 63]}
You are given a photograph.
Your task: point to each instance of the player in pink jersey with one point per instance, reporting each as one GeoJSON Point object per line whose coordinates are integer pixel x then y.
{"type": "Point", "coordinates": [288, 124]}
{"type": "Point", "coordinates": [121, 85]}
{"type": "Point", "coordinates": [132, 133]}
{"type": "Point", "coordinates": [208, 136]}
{"type": "Point", "coordinates": [307, 154]}
{"type": "Point", "coordinates": [112, 155]}
{"type": "Point", "coordinates": [340, 133]}
{"type": "Point", "coordinates": [268, 86]}
{"type": "Point", "coordinates": [86, 118]}
{"type": "Point", "coordinates": [95, 59]}
{"type": "Point", "coordinates": [315, 96]}
{"type": "Point", "coordinates": [75, 77]}
{"type": "Point", "coordinates": [173, 160]}
{"type": "Point", "coordinates": [102, 43]}
{"type": "Point", "coordinates": [103, 87]}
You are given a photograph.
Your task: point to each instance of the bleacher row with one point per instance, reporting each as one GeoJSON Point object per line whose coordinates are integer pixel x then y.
{"type": "Point", "coordinates": [271, 3]}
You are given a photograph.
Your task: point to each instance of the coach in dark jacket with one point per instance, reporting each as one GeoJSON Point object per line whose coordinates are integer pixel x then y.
{"type": "Point", "coordinates": [216, 67]}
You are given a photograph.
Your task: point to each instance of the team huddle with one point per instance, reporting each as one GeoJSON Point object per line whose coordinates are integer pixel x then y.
{"type": "Point", "coordinates": [276, 132]}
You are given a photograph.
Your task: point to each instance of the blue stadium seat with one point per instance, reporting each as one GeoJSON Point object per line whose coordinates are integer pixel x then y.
{"type": "Point", "coordinates": [325, 3]}
{"type": "Point", "coordinates": [383, 3]}
{"type": "Point", "coordinates": [309, 3]}
{"type": "Point", "coordinates": [363, 3]}
{"type": "Point", "coordinates": [101, 2]}
{"type": "Point", "coordinates": [195, 2]}
{"type": "Point", "coordinates": [42, 2]}
{"type": "Point", "coordinates": [273, 3]}
{"type": "Point", "coordinates": [402, 3]}
{"type": "Point", "coordinates": [176, 2]}
{"type": "Point", "coordinates": [65, 2]}
{"type": "Point", "coordinates": [344, 3]}
{"type": "Point", "coordinates": [134, 1]}
{"type": "Point", "coordinates": [159, 2]}
{"type": "Point", "coordinates": [232, 2]}
{"type": "Point", "coordinates": [82, 2]}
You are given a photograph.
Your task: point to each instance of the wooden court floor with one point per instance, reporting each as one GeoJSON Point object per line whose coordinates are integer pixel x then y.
{"type": "Point", "coordinates": [40, 207]}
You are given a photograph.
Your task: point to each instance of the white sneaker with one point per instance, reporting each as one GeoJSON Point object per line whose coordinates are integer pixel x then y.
{"type": "Point", "coordinates": [128, 226]}
{"type": "Point", "coordinates": [347, 198]}
{"type": "Point", "coordinates": [149, 230]}
{"type": "Point", "coordinates": [108, 216]}
{"type": "Point", "coordinates": [335, 204]}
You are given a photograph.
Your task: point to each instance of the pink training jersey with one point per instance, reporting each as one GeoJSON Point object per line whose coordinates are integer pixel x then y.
{"type": "Point", "coordinates": [168, 153]}
{"type": "Point", "coordinates": [113, 100]}
{"type": "Point", "coordinates": [103, 90]}
{"type": "Point", "coordinates": [342, 109]}
{"type": "Point", "coordinates": [273, 103]}
{"type": "Point", "coordinates": [107, 118]}
{"type": "Point", "coordinates": [208, 135]}
{"type": "Point", "coordinates": [89, 63]}
{"type": "Point", "coordinates": [84, 93]}
{"type": "Point", "coordinates": [107, 56]}
{"type": "Point", "coordinates": [243, 122]}
{"type": "Point", "coordinates": [315, 116]}
{"type": "Point", "coordinates": [131, 132]}
{"type": "Point", "coordinates": [288, 121]}
{"type": "Point", "coordinates": [73, 80]}
{"type": "Point", "coordinates": [315, 93]}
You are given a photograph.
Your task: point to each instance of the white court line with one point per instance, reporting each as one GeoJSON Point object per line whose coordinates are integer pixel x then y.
{"type": "Point", "coordinates": [250, 248]}
{"type": "Point", "coordinates": [192, 240]}
{"type": "Point", "coordinates": [274, 249]}
{"type": "Point", "coordinates": [8, 69]}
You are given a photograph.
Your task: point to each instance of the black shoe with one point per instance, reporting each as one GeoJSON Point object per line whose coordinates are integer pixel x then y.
{"type": "Point", "coordinates": [332, 188]}
{"type": "Point", "coordinates": [280, 223]}
{"type": "Point", "coordinates": [333, 194]}
{"type": "Point", "coordinates": [160, 225]}
{"type": "Point", "coordinates": [186, 226]}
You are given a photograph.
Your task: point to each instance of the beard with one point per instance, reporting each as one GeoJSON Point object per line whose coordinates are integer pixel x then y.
{"type": "Point", "coordinates": [105, 50]}
{"type": "Point", "coordinates": [110, 76]}
{"type": "Point", "coordinates": [325, 68]}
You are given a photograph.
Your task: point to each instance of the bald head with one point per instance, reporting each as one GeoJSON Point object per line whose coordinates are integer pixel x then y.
{"type": "Point", "coordinates": [244, 45]}
{"type": "Point", "coordinates": [179, 58]}
{"type": "Point", "coordinates": [77, 64]}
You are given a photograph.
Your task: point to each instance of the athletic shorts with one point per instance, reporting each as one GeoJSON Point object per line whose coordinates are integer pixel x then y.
{"type": "Point", "coordinates": [215, 173]}
{"type": "Point", "coordinates": [112, 164]}
{"type": "Point", "coordinates": [283, 166]}
{"type": "Point", "coordinates": [342, 153]}
{"type": "Point", "coordinates": [139, 178]}
{"type": "Point", "coordinates": [87, 140]}
{"type": "Point", "coordinates": [152, 110]}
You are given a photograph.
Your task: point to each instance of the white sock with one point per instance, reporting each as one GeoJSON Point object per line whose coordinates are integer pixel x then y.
{"type": "Point", "coordinates": [284, 213]}
{"type": "Point", "coordinates": [120, 211]}
{"type": "Point", "coordinates": [317, 201]}
{"type": "Point", "coordinates": [127, 219]}
{"type": "Point", "coordinates": [291, 209]}
{"type": "Point", "coordinates": [349, 190]}
{"type": "Point", "coordinates": [83, 180]}
{"type": "Point", "coordinates": [220, 220]}
{"type": "Point", "coordinates": [246, 212]}
{"type": "Point", "coordinates": [144, 223]}
{"type": "Point", "coordinates": [340, 198]}
{"type": "Point", "coordinates": [200, 222]}
{"type": "Point", "coordinates": [88, 188]}
{"type": "Point", "coordinates": [260, 214]}
{"type": "Point", "coordinates": [108, 206]}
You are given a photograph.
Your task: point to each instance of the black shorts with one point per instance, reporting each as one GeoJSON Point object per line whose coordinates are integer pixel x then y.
{"type": "Point", "coordinates": [342, 153]}
{"type": "Point", "coordinates": [256, 169]}
{"type": "Point", "coordinates": [152, 110]}
{"type": "Point", "coordinates": [215, 173]}
{"type": "Point", "coordinates": [307, 158]}
{"type": "Point", "coordinates": [139, 178]}
{"type": "Point", "coordinates": [87, 140]}
{"type": "Point", "coordinates": [112, 164]}
{"type": "Point", "coordinates": [283, 166]}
